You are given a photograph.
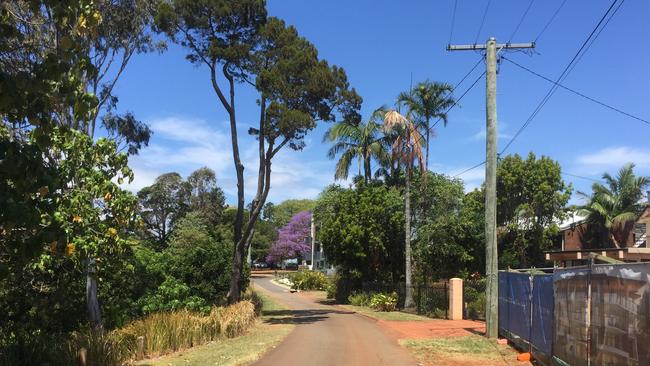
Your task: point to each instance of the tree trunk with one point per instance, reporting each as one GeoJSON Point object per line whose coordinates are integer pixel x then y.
{"type": "Point", "coordinates": [366, 169]}
{"type": "Point", "coordinates": [408, 294]}
{"type": "Point", "coordinates": [426, 161]}
{"type": "Point", "coordinates": [234, 291]}
{"type": "Point", "coordinates": [94, 312]}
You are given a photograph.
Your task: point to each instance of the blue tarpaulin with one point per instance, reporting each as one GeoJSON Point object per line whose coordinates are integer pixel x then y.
{"type": "Point", "coordinates": [541, 335]}
{"type": "Point", "coordinates": [526, 308]}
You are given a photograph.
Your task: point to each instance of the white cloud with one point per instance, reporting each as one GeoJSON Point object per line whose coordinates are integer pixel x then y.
{"type": "Point", "coordinates": [184, 144]}
{"type": "Point", "coordinates": [190, 130]}
{"type": "Point", "coordinates": [615, 157]}
{"type": "Point", "coordinates": [480, 135]}
{"type": "Point", "coordinates": [472, 178]}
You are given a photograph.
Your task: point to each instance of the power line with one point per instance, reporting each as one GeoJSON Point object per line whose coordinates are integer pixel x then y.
{"type": "Point", "coordinates": [467, 74]}
{"type": "Point", "coordinates": [459, 99]}
{"type": "Point", "coordinates": [482, 21]}
{"type": "Point", "coordinates": [550, 20]}
{"type": "Point", "coordinates": [453, 20]}
{"type": "Point", "coordinates": [530, 4]}
{"type": "Point", "coordinates": [582, 177]}
{"type": "Point", "coordinates": [469, 169]}
{"type": "Point", "coordinates": [577, 92]}
{"type": "Point", "coordinates": [597, 34]}
{"type": "Point", "coordinates": [560, 78]}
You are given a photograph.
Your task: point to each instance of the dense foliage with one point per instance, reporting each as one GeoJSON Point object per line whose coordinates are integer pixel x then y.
{"type": "Point", "coordinates": [613, 207]}
{"type": "Point", "coordinates": [361, 231]}
{"type": "Point", "coordinates": [238, 43]}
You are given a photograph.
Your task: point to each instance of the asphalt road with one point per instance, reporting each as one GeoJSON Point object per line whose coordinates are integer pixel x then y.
{"type": "Point", "coordinates": [327, 335]}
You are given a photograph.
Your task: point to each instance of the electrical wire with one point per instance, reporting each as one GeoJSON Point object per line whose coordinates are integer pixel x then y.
{"type": "Point", "coordinates": [453, 21]}
{"type": "Point", "coordinates": [530, 4]}
{"type": "Point", "coordinates": [577, 92]}
{"type": "Point", "coordinates": [458, 100]}
{"type": "Point", "coordinates": [469, 169]}
{"type": "Point", "coordinates": [482, 21]}
{"type": "Point", "coordinates": [596, 36]}
{"type": "Point", "coordinates": [550, 20]}
{"type": "Point", "coordinates": [562, 76]}
{"type": "Point", "coordinates": [581, 177]}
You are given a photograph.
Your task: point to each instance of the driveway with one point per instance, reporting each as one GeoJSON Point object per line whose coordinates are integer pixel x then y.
{"type": "Point", "coordinates": [327, 335]}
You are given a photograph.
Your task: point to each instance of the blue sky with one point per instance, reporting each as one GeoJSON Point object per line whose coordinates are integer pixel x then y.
{"type": "Point", "coordinates": [381, 44]}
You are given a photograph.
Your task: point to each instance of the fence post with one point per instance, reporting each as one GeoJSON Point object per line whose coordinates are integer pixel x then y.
{"type": "Point", "coordinates": [140, 352]}
{"type": "Point", "coordinates": [81, 357]}
{"type": "Point", "coordinates": [456, 299]}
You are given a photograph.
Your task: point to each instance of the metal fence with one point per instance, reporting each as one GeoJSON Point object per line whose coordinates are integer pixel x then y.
{"type": "Point", "coordinates": [474, 298]}
{"type": "Point", "coordinates": [430, 299]}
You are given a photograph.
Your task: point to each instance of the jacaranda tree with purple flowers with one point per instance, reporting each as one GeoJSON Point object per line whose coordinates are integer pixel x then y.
{"type": "Point", "coordinates": [292, 239]}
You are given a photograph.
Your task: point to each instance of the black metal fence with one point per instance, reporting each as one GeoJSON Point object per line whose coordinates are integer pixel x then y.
{"type": "Point", "coordinates": [474, 299]}
{"type": "Point", "coordinates": [430, 299]}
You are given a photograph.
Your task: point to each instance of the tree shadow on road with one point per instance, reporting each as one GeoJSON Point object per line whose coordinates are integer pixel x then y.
{"type": "Point", "coordinates": [307, 316]}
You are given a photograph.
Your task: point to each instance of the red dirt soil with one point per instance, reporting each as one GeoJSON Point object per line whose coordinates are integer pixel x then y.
{"type": "Point", "coordinates": [434, 328]}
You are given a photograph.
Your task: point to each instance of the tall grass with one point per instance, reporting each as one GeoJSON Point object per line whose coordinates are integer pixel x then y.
{"type": "Point", "coordinates": [163, 333]}
{"type": "Point", "coordinates": [172, 331]}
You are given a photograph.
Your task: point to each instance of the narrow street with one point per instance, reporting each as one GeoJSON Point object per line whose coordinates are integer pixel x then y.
{"type": "Point", "coordinates": [326, 335]}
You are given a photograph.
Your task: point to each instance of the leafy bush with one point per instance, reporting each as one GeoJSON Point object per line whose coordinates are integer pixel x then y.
{"type": "Point", "coordinates": [476, 308]}
{"type": "Point", "coordinates": [384, 301]}
{"type": "Point", "coordinates": [309, 280]}
{"type": "Point", "coordinates": [360, 299]}
{"type": "Point", "coordinates": [474, 298]}
{"type": "Point", "coordinates": [173, 295]}
{"type": "Point", "coordinates": [331, 290]}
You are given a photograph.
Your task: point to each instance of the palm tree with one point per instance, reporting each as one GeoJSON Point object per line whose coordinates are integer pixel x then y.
{"type": "Point", "coordinates": [362, 141]}
{"type": "Point", "coordinates": [406, 148]}
{"type": "Point", "coordinates": [613, 207]}
{"type": "Point", "coordinates": [427, 101]}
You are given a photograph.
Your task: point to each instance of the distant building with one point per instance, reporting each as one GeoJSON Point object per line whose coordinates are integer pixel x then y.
{"type": "Point", "coordinates": [573, 248]}
{"type": "Point", "coordinates": [316, 259]}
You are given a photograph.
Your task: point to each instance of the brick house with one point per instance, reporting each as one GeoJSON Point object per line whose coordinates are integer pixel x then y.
{"type": "Point", "coordinates": [572, 248]}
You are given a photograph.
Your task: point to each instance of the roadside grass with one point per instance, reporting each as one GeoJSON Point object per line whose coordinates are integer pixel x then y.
{"type": "Point", "coordinates": [457, 351]}
{"type": "Point", "coordinates": [385, 315]}
{"type": "Point", "coordinates": [242, 350]}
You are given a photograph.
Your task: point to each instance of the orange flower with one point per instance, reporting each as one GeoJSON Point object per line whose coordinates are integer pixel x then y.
{"type": "Point", "coordinates": [108, 196]}
{"type": "Point", "coordinates": [69, 249]}
{"type": "Point", "coordinates": [76, 218]}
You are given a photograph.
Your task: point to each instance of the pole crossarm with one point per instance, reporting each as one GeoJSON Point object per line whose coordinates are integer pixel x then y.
{"type": "Point", "coordinates": [483, 46]}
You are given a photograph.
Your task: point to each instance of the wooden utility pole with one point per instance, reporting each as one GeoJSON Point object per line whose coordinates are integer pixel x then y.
{"type": "Point", "coordinates": [491, 253]}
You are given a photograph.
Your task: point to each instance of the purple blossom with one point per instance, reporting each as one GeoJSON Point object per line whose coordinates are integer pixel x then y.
{"type": "Point", "coordinates": [292, 239]}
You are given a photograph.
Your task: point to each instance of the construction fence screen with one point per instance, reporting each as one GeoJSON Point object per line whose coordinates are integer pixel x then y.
{"type": "Point", "coordinates": [526, 309]}
{"type": "Point", "coordinates": [602, 315]}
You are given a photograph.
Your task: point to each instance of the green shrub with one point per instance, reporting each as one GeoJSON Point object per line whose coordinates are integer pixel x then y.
{"type": "Point", "coordinates": [476, 308]}
{"type": "Point", "coordinates": [309, 280]}
{"type": "Point", "coordinates": [360, 299]}
{"type": "Point", "coordinates": [173, 295]}
{"type": "Point", "coordinates": [331, 290]}
{"type": "Point", "coordinates": [384, 301]}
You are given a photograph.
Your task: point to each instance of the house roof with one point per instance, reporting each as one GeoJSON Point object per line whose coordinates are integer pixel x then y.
{"type": "Point", "coordinates": [572, 219]}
